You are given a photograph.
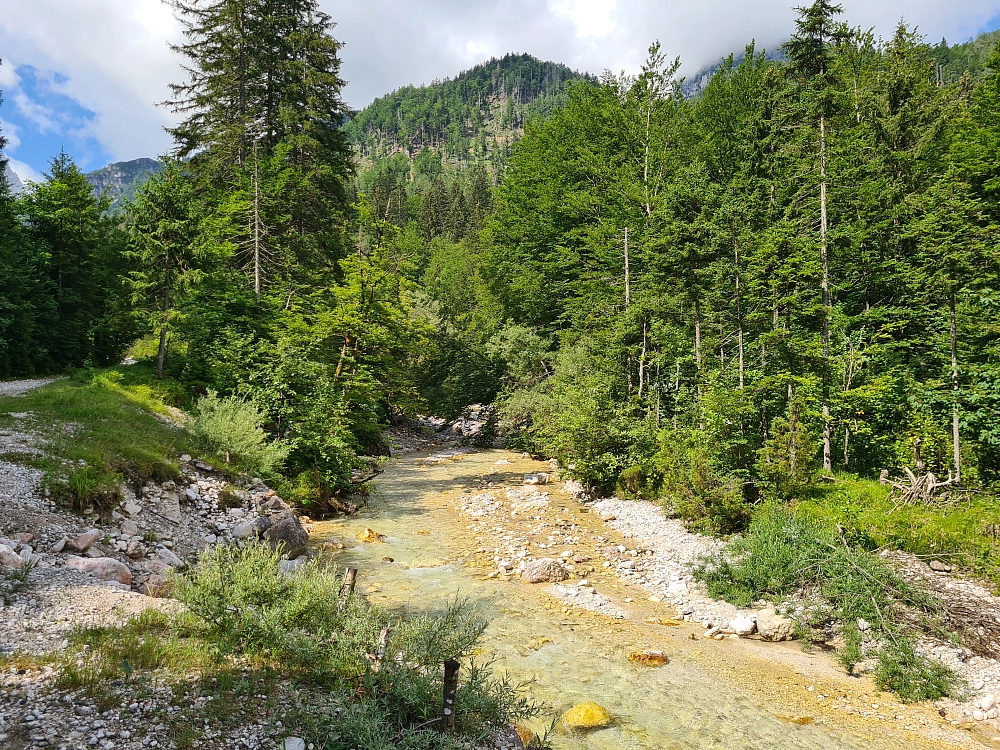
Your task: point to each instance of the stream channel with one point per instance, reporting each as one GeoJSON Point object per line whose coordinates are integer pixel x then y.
{"type": "Point", "coordinates": [709, 695]}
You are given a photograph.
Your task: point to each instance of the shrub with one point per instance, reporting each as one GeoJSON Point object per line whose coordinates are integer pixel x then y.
{"type": "Point", "coordinates": [234, 427]}
{"type": "Point", "coordinates": [689, 483]}
{"type": "Point", "coordinates": [782, 553]}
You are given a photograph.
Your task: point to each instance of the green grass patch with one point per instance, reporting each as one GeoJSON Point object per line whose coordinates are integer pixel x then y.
{"type": "Point", "coordinates": [965, 533]}
{"type": "Point", "coordinates": [782, 553]}
{"type": "Point", "coordinates": [99, 431]}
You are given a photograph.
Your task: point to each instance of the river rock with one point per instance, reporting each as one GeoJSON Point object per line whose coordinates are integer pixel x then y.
{"type": "Point", "coordinates": [244, 530]}
{"type": "Point", "coordinates": [102, 568]}
{"type": "Point", "coordinates": [167, 557]}
{"type": "Point", "coordinates": [539, 478]}
{"type": "Point", "coordinates": [743, 626]}
{"type": "Point", "coordinates": [648, 658]}
{"type": "Point", "coordinates": [774, 627]}
{"type": "Point", "coordinates": [9, 558]}
{"type": "Point", "coordinates": [83, 542]}
{"type": "Point", "coordinates": [370, 536]}
{"type": "Point", "coordinates": [129, 527]}
{"type": "Point", "coordinates": [286, 531]}
{"type": "Point", "coordinates": [586, 716]}
{"type": "Point", "coordinates": [940, 567]}
{"type": "Point", "coordinates": [986, 702]}
{"type": "Point", "coordinates": [545, 570]}
{"type": "Point", "coordinates": [293, 743]}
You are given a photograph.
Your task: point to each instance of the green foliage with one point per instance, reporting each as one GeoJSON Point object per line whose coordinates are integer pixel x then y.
{"type": "Point", "coordinates": [233, 426]}
{"type": "Point", "coordinates": [782, 553]}
{"type": "Point", "coordinates": [13, 581]}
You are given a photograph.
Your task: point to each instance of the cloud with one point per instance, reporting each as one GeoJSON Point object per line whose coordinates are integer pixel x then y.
{"type": "Point", "coordinates": [25, 172]}
{"type": "Point", "coordinates": [113, 59]}
{"type": "Point", "coordinates": [9, 132]}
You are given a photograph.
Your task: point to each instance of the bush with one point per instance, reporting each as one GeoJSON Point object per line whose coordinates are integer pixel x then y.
{"type": "Point", "coordinates": [233, 426]}
{"type": "Point", "coordinates": [782, 553]}
{"type": "Point", "coordinates": [245, 607]}
{"type": "Point", "coordinates": [689, 483]}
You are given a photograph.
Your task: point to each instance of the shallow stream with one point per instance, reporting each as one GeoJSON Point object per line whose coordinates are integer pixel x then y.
{"type": "Point", "coordinates": [567, 656]}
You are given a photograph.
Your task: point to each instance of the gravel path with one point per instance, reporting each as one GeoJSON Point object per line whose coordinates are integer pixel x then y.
{"type": "Point", "coordinates": [18, 387]}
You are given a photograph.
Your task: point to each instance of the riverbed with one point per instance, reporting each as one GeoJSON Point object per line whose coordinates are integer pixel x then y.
{"type": "Point", "coordinates": [738, 694]}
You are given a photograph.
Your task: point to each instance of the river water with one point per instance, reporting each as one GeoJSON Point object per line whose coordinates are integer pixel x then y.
{"type": "Point", "coordinates": [569, 656]}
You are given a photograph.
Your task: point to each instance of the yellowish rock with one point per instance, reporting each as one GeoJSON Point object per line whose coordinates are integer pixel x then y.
{"type": "Point", "coordinates": [586, 716]}
{"type": "Point", "coordinates": [526, 734]}
{"type": "Point", "coordinates": [370, 536]}
{"type": "Point", "coordinates": [648, 658]}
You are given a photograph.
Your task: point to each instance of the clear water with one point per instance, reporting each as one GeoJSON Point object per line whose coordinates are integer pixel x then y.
{"type": "Point", "coordinates": [568, 658]}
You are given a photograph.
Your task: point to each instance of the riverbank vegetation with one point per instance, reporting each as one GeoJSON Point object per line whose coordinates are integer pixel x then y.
{"type": "Point", "coordinates": [782, 291]}
{"type": "Point", "coordinates": [320, 659]}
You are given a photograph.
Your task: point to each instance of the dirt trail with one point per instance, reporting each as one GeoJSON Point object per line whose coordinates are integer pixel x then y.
{"type": "Point", "coordinates": [447, 523]}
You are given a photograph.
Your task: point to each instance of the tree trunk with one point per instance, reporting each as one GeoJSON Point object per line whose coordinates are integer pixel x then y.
{"type": "Point", "coordinates": [739, 310]}
{"type": "Point", "coordinates": [161, 355]}
{"type": "Point", "coordinates": [256, 225]}
{"type": "Point", "coordinates": [955, 442]}
{"type": "Point", "coordinates": [628, 279]}
{"type": "Point", "coordinates": [825, 258]}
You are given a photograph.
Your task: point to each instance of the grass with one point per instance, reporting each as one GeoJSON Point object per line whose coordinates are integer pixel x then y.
{"type": "Point", "coordinates": [247, 630]}
{"type": "Point", "coordinates": [965, 534]}
{"type": "Point", "coordinates": [99, 430]}
{"type": "Point", "coordinates": [12, 581]}
{"type": "Point", "coordinates": [783, 553]}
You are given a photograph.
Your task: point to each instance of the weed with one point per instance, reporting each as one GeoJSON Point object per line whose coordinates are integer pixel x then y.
{"type": "Point", "coordinates": [13, 580]}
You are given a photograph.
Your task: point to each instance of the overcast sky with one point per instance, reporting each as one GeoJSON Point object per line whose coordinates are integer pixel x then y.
{"type": "Point", "coordinates": [85, 75]}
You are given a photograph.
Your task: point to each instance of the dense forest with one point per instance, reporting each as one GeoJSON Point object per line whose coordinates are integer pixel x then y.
{"type": "Point", "coordinates": [710, 301]}
{"type": "Point", "coordinates": [473, 118]}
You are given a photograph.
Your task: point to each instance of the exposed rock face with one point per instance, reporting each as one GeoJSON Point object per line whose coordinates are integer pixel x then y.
{"type": "Point", "coordinates": [774, 627]}
{"type": "Point", "coordinates": [102, 568]}
{"type": "Point", "coordinates": [545, 570]}
{"type": "Point", "coordinates": [287, 532]}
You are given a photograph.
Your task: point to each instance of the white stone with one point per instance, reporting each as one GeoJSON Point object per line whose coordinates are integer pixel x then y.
{"type": "Point", "coordinates": [9, 558]}
{"type": "Point", "coordinates": [743, 626]}
{"type": "Point", "coordinates": [986, 702]}
{"type": "Point", "coordinates": [294, 743]}
{"type": "Point", "coordinates": [677, 587]}
{"type": "Point", "coordinates": [129, 528]}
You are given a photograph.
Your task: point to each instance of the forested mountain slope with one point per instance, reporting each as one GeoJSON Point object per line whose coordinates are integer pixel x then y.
{"type": "Point", "coordinates": [477, 114]}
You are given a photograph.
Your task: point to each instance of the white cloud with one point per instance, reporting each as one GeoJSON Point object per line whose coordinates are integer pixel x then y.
{"type": "Point", "coordinates": [9, 132]}
{"type": "Point", "coordinates": [117, 62]}
{"type": "Point", "coordinates": [24, 171]}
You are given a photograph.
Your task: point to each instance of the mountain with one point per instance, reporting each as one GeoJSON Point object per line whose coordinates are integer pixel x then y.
{"type": "Point", "coordinates": [694, 85]}
{"type": "Point", "coordinates": [123, 178]}
{"type": "Point", "coordinates": [971, 56]}
{"type": "Point", "coordinates": [13, 180]}
{"type": "Point", "coordinates": [476, 115]}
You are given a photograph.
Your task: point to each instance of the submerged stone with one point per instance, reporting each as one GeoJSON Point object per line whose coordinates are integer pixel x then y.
{"type": "Point", "coordinates": [586, 716]}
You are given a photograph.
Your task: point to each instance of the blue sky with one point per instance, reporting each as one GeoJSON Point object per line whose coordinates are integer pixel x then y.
{"type": "Point", "coordinates": [39, 119]}
{"type": "Point", "coordinates": [86, 75]}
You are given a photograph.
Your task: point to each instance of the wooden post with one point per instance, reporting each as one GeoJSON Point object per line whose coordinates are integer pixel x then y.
{"type": "Point", "coordinates": [450, 690]}
{"type": "Point", "coordinates": [347, 588]}
{"type": "Point", "coordinates": [383, 644]}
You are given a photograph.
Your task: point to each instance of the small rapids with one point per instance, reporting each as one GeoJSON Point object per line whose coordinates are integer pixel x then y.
{"type": "Point", "coordinates": [569, 655]}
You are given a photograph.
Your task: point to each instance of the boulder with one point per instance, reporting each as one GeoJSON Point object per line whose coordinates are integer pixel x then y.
{"type": "Point", "coordinates": [83, 542]}
{"type": "Point", "coordinates": [940, 567]}
{"type": "Point", "coordinates": [193, 493]}
{"type": "Point", "coordinates": [102, 568]}
{"type": "Point", "coordinates": [261, 525]}
{"type": "Point", "coordinates": [545, 570]}
{"type": "Point", "coordinates": [244, 530]}
{"type": "Point", "coordinates": [743, 626]}
{"type": "Point", "coordinates": [293, 743]}
{"type": "Point", "coordinates": [539, 478]}
{"type": "Point", "coordinates": [9, 558]}
{"type": "Point", "coordinates": [586, 716]}
{"type": "Point", "coordinates": [58, 547]}
{"type": "Point", "coordinates": [676, 588]}
{"type": "Point", "coordinates": [129, 528]}
{"type": "Point", "coordinates": [287, 532]}
{"type": "Point", "coordinates": [648, 658]}
{"type": "Point", "coordinates": [167, 557]}
{"type": "Point", "coordinates": [987, 701]}
{"type": "Point", "coordinates": [774, 627]}
{"type": "Point", "coordinates": [135, 550]}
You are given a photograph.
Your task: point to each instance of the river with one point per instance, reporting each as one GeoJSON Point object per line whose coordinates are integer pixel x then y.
{"type": "Point", "coordinates": [739, 695]}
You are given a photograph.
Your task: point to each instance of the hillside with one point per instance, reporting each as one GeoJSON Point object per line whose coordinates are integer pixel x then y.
{"type": "Point", "coordinates": [477, 114]}
{"type": "Point", "coordinates": [123, 178]}
{"type": "Point", "coordinates": [954, 60]}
